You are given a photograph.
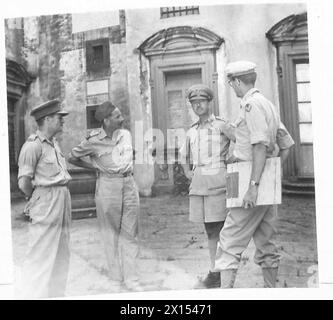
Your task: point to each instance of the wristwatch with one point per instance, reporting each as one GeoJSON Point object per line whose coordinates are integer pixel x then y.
{"type": "Point", "coordinates": [254, 183]}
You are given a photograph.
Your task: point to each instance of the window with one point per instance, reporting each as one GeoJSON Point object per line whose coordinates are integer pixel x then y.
{"type": "Point", "coordinates": [92, 122]}
{"type": "Point", "coordinates": [168, 12]}
{"type": "Point", "coordinates": [98, 55]}
{"type": "Point", "coordinates": [304, 102]}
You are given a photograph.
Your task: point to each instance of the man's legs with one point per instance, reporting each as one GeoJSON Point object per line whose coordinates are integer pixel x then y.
{"type": "Point", "coordinates": [212, 280]}
{"type": "Point", "coordinates": [213, 234]}
{"type": "Point", "coordinates": [238, 229]}
{"type": "Point", "coordinates": [45, 230]}
{"type": "Point", "coordinates": [266, 252]}
{"type": "Point", "coordinates": [109, 207]}
{"type": "Point", "coordinates": [128, 241]}
{"type": "Point", "coordinates": [211, 210]}
{"type": "Point", "coordinates": [61, 266]}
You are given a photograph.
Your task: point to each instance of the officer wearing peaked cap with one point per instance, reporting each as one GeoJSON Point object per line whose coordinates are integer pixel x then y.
{"type": "Point", "coordinates": [48, 108]}
{"type": "Point", "coordinates": [259, 134]}
{"type": "Point", "coordinates": [117, 199]}
{"type": "Point", "coordinates": [207, 144]}
{"type": "Point", "coordinates": [200, 91]}
{"type": "Point", "coordinates": [43, 177]}
{"type": "Point", "coordinates": [240, 68]}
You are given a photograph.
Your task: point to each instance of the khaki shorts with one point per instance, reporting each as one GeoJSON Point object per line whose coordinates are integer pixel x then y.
{"type": "Point", "coordinates": [208, 208]}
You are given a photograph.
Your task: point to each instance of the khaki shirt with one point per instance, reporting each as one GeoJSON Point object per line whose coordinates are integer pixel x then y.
{"type": "Point", "coordinates": [207, 144]}
{"type": "Point", "coordinates": [107, 155]}
{"type": "Point", "coordinates": [42, 161]}
{"type": "Point", "coordinates": [259, 122]}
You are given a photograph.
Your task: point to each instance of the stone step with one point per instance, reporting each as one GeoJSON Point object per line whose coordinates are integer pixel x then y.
{"type": "Point", "coordinates": [303, 186]}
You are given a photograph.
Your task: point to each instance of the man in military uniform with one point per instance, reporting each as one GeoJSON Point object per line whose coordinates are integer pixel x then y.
{"type": "Point", "coordinates": [117, 200]}
{"type": "Point", "coordinates": [258, 132]}
{"type": "Point", "coordinates": [43, 177]}
{"type": "Point", "coordinates": [207, 144]}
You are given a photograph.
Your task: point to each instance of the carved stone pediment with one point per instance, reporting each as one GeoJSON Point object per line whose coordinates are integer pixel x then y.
{"type": "Point", "coordinates": [17, 74]}
{"type": "Point", "coordinates": [291, 29]}
{"type": "Point", "coordinates": [180, 39]}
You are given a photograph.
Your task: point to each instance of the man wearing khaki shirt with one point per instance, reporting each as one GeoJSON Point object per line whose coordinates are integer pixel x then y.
{"type": "Point", "coordinates": [110, 151]}
{"type": "Point", "coordinates": [207, 144]}
{"type": "Point", "coordinates": [43, 177]}
{"type": "Point", "coordinates": [258, 132]}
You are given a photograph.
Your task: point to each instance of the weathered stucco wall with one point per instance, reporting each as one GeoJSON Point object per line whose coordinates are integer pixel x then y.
{"type": "Point", "coordinates": [73, 80]}
{"type": "Point", "coordinates": [49, 50]}
{"type": "Point", "coordinates": [243, 28]}
{"type": "Point", "coordinates": [59, 64]}
{"type": "Point", "coordinates": [44, 40]}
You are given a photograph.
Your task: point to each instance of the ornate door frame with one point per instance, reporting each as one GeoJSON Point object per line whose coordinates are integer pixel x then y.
{"type": "Point", "coordinates": [290, 37]}
{"type": "Point", "coordinates": [179, 49]}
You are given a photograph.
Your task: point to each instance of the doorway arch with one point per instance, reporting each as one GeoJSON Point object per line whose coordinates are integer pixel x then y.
{"type": "Point", "coordinates": [18, 82]}
{"type": "Point", "coordinates": [290, 38]}
{"type": "Point", "coordinates": [178, 58]}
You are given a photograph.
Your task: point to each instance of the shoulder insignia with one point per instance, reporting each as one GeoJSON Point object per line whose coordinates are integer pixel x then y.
{"type": "Point", "coordinates": [220, 118]}
{"type": "Point", "coordinates": [248, 107]}
{"type": "Point", "coordinates": [92, 133]}
{"type": "Point", "coordinates": [32, 137]}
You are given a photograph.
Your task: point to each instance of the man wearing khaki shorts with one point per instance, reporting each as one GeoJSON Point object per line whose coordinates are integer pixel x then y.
{"type": "Point", "coordinates": [207, 143]}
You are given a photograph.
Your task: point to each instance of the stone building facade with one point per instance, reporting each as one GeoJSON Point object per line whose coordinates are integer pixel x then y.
{"type": "Point", "coordinates": [144, 60]}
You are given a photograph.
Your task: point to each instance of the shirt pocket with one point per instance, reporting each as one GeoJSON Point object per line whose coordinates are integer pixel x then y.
{"type": "Point", "coordinates": [109, 158]}
{"type": "Point", "coordinates": [50, 166]}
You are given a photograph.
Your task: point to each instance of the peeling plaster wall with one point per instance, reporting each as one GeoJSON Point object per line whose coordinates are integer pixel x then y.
{"type": "Point", "coordinates": [59, 64]}
{"type": "Point", "coordinates": [58, 60]}
{"type": "Point", "coordinates": [45, 38]}
{"type": "Point", "coordinates": [243, 27]}
{"type": "Point", "coordinates": [14, 38]}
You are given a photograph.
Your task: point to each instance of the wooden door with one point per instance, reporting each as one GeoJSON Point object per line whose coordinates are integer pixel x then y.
{"type": "Point", "coordinates": [179, 110]}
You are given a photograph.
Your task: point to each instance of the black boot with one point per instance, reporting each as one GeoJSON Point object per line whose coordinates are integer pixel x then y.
{"type": "Point", "coordinates": [212, 280]}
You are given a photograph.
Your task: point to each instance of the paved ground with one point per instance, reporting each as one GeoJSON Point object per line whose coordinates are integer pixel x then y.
{"type": "Point", "coordinates": [174, 250]}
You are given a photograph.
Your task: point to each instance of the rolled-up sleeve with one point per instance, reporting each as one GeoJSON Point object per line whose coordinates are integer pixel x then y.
{"type": "Point", "coordinates": [257, 125]}
{"type": "Point", "coordinates": [283, 138]}
{"type": "Point", "coordinates": [28, 159]}
{"type": "Point", "coordinates": [84, 149]}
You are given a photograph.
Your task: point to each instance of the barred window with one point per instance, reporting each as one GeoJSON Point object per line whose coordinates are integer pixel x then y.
{"type": "Point", "coordinates": [168, 12]}
{"type": "Point", "coordinates": [97, 55]}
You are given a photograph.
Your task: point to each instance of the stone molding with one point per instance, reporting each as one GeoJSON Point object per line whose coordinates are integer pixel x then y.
{"type": "Point", "coordinates": [180, 39]}
{"type": "Point", "coordinates": [294, 28]}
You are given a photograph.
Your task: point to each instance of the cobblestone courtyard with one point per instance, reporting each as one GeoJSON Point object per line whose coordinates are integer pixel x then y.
{"type": "Point", "coordinates": [174, 251]}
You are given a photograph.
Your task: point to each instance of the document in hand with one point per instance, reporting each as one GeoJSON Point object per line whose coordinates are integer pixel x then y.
{"type": "Point", "coordinates": [238, 179]}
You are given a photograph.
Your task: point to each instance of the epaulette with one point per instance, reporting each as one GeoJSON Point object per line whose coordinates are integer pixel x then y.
{"type": "Point", "coordinates": [194, 124]}
{"type": "Point", "coordinates": [220, 118]}
{"type": "Point", "coordinates": [92, 133]}
{"type": "Point", "coordinates": [248, 107]}
{"type": "Point", "coordinates": [32, 137]}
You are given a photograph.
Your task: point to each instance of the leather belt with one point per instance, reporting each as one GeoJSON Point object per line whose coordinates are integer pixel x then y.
{"type": "Point", "coordinates": [115, 175]}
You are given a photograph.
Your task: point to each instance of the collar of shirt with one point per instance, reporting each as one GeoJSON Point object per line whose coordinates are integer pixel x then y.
{"type": "Point", "coordinates": [116, 135]}
{"type": "Point", "coordinates": [41, 136]}
{"type": "Point", "coordinates": [248, 95]}
{"type": "Point", "coordinates": [210, 119]}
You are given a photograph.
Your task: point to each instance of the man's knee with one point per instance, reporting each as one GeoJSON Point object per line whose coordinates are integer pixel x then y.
{"type": "Point", "coordinates": [213, 229]}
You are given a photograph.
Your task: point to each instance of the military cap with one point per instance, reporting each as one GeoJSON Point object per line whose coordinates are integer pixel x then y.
{"type": "Point", "coordinates": [48, 108]}
{"type": "Point", "coordinates": [239, 68]}
{"type": "Point", "coordinates": [104, 110]}
{"type": "Point", "coordinates": [200, 91]}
